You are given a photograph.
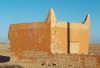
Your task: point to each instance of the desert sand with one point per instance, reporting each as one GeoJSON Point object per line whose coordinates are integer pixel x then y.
{"type": "Point", "coordinates": [92, 60]}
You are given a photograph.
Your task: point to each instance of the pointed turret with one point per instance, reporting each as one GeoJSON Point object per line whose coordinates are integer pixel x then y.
{"type": "Point", "coordinates": [51, 16]}
{"type": "Point", "coordinates": [87, 20]}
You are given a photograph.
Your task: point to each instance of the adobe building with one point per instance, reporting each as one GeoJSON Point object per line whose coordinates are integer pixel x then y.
{"type": "Point", "coordinates": [50, 36]}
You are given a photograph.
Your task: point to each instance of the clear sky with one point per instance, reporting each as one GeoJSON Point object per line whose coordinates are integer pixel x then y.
{"type": "Point", "coordinates": [15, 11]}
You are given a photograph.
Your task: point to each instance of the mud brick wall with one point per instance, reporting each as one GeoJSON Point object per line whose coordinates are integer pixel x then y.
{"type": "Point", "coordinates": [27, 37]}
{"type": "Point", "coordinates": [50, 36]}
{"type": "Point", "coordinates": [79, 35]}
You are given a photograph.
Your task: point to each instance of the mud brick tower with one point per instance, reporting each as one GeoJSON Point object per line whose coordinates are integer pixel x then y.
{"type": "Point", "coordinates": [50, 36]}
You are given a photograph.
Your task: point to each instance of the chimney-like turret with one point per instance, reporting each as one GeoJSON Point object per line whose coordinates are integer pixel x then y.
{"type": "Point", "coordinates": [87, 20]}
{"type": "Point", "coordinates": [51, 16]}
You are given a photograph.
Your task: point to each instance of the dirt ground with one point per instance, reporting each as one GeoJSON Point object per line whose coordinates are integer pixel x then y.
{"type": "Point", "coordinates": [57, 61]}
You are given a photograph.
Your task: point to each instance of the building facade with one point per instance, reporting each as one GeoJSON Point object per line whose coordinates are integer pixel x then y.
{"type": "Point", "coordinates": [51, 36]}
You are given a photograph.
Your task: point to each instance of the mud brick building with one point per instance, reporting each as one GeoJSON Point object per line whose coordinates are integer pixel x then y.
{"type": "Point", "coordinates": [50, 36]}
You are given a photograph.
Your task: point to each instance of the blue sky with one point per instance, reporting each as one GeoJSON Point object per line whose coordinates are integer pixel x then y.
{"type": "Point", "coordinates": [15, 11]}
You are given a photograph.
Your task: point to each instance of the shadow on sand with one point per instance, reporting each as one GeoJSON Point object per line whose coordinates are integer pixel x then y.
{"type": "Point", "coordinates": [11, 66]}
{"type": "Point", "coordinates": [4, 59]}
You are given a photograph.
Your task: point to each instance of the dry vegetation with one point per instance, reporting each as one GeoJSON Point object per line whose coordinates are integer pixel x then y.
{"type": "Point", "coordinates": [42, 60]}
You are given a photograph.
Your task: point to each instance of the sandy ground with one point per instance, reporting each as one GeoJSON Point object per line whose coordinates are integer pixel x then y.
{"type": "Point", "coordinates": [58, 61]}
